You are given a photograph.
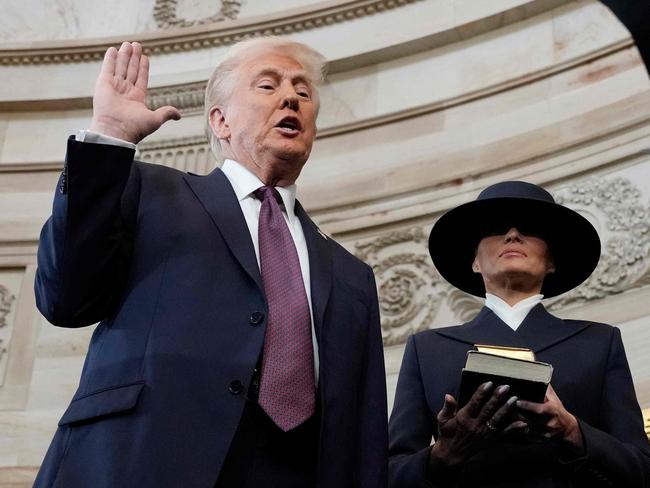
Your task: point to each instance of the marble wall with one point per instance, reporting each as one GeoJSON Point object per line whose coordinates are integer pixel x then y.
{"type": "Point", "coordinates": [428, 102]}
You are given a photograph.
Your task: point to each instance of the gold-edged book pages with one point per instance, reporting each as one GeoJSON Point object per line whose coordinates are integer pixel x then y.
{"type": "Point", "coordinates": [508, 352]}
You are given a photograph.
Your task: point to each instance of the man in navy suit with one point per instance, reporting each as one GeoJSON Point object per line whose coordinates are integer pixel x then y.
{"type": "Point", "coordinates": [514, 246]}
{"type": "Point", "coordinates": [238, 346]}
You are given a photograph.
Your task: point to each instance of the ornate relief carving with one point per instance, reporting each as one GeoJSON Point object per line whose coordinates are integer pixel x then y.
{"type": "Point", "coordinates": [187, 98]}
{"type": "Point", "coordinates": [464, 305]}
{"type": "Point", "coordinates": [165, 12]}
{"type": "Point", "coordinates": [181, 40]}
{"type": "Point", "coordinates": [6, 301]}
{"type": "Point", "coordinates": [625, 235]}
{"type": "Point", "coordinates": [408, 284]}
{"type": "Point", "coordinates": [186, 154]}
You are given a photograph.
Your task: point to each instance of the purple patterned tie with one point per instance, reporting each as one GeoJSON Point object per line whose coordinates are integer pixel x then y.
{"type": "Point", "coordinates": [287, 391]}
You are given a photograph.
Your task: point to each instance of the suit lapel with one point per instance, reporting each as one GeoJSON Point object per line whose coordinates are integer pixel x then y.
{"type": "Point", "coordinates": [320, 267]}
{"type": "Point", "coordinates": [539, 330]}
{"type": "Point", "coordinates": [215, 193]}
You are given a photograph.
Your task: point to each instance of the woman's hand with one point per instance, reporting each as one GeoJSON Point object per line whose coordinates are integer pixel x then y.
{"type": "Point", "coordinates": [553, 421]}
{"type": "Point", "coordinates": [461, 433]}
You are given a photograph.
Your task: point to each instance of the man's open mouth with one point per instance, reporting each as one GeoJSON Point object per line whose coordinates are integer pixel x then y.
{"type": "Point", "coordinates": [289, 125]}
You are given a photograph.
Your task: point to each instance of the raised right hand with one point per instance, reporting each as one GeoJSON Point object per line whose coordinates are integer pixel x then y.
{"type": "Point", "coordinates": [119, 108]}
{"type": "Point", "coordinates": [462, 433]}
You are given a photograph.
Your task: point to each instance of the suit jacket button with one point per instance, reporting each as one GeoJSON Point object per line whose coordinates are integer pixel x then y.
{"type": "Point", "coordinates": [236, 387]}
{"type": "Point", "coordinates": [256, 318]}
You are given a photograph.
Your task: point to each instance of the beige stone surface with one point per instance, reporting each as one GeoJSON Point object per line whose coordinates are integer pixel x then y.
{"type": "Point", "coordinates": [427, 104]}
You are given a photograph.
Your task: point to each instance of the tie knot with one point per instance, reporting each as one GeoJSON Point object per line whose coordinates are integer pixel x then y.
{"type": "Point", "coordinates": [265, 192]}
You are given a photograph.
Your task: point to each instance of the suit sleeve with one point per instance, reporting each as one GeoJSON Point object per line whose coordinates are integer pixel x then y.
{"type": "Point", "coordinates": [411, 427]}
{"type": "Point", "coordinates": [617, 450]}
{"type": "Point", "coordinates": [373, 418]}
{"type": "Point", "coordinates": [85, 246]}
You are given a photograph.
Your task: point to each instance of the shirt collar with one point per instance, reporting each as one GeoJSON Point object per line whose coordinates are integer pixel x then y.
{"type": "Point", "coordinates": [513, 316]}
{"type": "Point", "coordinates": [244, 182]}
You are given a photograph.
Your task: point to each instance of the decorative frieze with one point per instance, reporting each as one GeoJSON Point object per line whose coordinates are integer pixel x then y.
{"type": "Point", "coordinates": [187, 98]}
{"type": "Point", "coordinates": [407, 282]}
{"type": "Point", "coordinates": [7, 299]}
{"type": "Point", "coordinates": [186, 154]}
{"type": "Point", "coordinates": [165, 13]}
{"type": "Point", "coordinates": [625, 234]}
{"type": "Point", "coordinates": [179, 39]}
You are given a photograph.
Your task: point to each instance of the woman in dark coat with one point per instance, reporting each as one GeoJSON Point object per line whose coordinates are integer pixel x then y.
{"type": "Point", "coordinates": [514, 245]}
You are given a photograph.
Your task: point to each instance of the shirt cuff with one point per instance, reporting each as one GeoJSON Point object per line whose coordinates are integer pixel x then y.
{"type": "Point", "coordinates": [95, 138]}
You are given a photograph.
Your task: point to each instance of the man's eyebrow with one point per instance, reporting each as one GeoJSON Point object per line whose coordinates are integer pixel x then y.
{"type": "Point", "coordinates": [297, 76]}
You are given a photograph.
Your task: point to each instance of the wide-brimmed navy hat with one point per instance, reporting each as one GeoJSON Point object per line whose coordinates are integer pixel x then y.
{"type": "Point", "coordinates": [572, 240]}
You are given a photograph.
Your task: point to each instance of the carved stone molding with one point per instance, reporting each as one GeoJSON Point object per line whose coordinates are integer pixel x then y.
{"type": "Point", "coordinates": [625, 235]}
{"type": "Point", "coordinates": [464, 305]}
{"type": "Point", "coordinates": [165, 13]}
{"type": "Point", "coordinates": [407, 282]}
{"type": "Point", "coordinates": [186, 154]}
{"type": "Point", "coordinates": [181, 39]}
{"type": "Point", "coordinates": [6, 301]}
{"type": "Point", "coordinates": [187, 98]}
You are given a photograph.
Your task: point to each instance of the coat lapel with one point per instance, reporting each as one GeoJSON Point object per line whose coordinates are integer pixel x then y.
{"type": "Point", "coordinates": [215, 193]}
{"type": "Point", "coordinates": [320, 267]}
{"type": "Point", "coordinates": [539, 330]}
{"type": "Point", "coordinates": [485, 328]}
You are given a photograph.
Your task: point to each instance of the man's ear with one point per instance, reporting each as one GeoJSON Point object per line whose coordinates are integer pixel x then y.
{"type": "Point", "coordinates": [218, 124]}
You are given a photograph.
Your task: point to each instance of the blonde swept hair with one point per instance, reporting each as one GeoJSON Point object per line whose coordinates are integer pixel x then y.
{"type": "Point", "coordinates": [221, 82]}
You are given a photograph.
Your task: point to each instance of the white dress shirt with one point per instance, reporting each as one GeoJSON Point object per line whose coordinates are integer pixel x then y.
{"type": "Point", "coordinates": [244, 183]}
{"type": "Point", "coordinates": [513, 316]}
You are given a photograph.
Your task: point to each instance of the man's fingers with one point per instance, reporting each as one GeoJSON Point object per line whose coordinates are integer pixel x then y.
{"type": "Point", "coordinates": [123, 57]}
{"type": "Point", "coordinates": [108, 65]}
{"type": "Point", "coordinates": [448, 409]}
{"type": "Point", "coordinates": [142, 81]}
{"type": "Point", "coordinates": [133, 67]}
{"type": "Point", "coordinates": [163, 114]}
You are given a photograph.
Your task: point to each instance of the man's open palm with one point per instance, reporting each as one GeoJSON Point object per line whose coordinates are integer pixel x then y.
{"type": "Point", "coordinates": [119, 108]}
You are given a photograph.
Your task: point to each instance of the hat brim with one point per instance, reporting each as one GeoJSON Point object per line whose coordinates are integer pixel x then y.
{"type": "Point", "coordinates": [573, 242]}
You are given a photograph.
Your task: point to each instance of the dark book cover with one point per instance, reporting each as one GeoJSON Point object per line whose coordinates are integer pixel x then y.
{"type": "Point", "coordinates": [533, 391]}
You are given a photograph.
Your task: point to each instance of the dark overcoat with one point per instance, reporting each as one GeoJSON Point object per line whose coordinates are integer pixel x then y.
{"type": "Point", "coordinates": [591, 377]}
{"type": "Point", "coordinates": [165, 262]}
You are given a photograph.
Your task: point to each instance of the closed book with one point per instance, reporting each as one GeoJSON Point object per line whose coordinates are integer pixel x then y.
{"type": "Point", "coordinates": [527, 379]}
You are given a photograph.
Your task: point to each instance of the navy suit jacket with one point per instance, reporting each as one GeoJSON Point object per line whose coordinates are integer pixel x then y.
{"type": "Point", "coordinates": [591, 377]}
{"type": "Point", "coordinates": [164, 261]}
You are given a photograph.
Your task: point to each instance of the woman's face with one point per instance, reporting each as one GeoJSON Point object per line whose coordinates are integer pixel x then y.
{"type": "Point", "coordinates": [513, 260]}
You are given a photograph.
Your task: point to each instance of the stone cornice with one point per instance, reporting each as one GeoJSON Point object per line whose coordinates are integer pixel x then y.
{"type": "Point", "coordinates": [203, 36]}
{"type": "Point", "coordinates": [188, 98]}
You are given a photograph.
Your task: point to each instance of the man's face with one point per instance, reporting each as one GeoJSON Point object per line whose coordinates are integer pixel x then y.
{"type": "Point", "coordinates": [269, 122]}
{"type": "Point", "coordinates": [513, 260]}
